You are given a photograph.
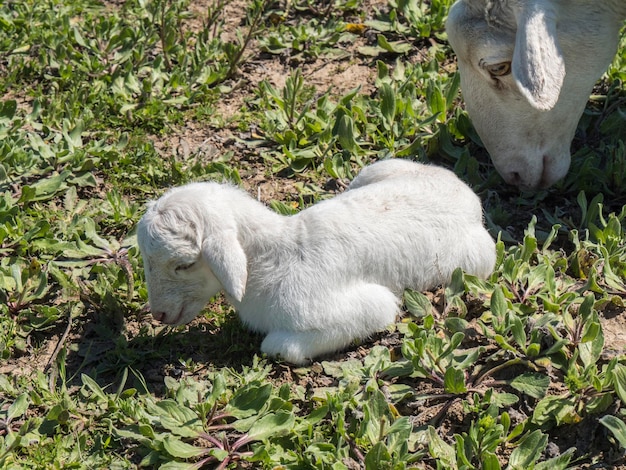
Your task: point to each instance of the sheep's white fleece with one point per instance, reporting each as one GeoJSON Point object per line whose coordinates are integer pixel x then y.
{"type": "Point", "coordinates": [317, 280]}
{"type": "Point", "coordinates": [527, 68]}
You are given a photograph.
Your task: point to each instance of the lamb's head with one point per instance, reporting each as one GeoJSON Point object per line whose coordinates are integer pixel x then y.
{"type": "Point", "coordinates": [188, 255]}
{"type": "Point", "coordinates": [513, 57]}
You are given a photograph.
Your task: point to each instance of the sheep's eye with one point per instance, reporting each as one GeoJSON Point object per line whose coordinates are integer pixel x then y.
{"type": "Point", "coordinates": [499, 70]}
{"type": "Point", "coordinates": [184, 267]}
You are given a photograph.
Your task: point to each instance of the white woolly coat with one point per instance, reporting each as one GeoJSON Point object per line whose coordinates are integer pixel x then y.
{"type": "Point", "coordinates": [314, 281]}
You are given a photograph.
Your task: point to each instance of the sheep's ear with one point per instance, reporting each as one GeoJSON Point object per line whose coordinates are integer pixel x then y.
{"type": "Point", "coordinates": [228, 261]}
{"type": "Point", "coordinates": [538, 66]}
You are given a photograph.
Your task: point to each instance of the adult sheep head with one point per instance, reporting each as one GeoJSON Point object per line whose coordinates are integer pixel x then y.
{"type": "Point", "coordinates": [527, 68]}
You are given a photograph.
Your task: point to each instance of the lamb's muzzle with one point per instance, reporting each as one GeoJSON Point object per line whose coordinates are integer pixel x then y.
{"type": "Point", "coordinates": [315, 281]}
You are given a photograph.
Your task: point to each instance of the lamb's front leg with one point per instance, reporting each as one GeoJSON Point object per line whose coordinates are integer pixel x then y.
{"type": "Point", "coordinates": [354, 312]}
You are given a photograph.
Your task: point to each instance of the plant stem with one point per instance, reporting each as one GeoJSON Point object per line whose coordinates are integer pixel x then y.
{"type": "Point", "coordinates": [162, 34]}
{"type": "Point", "coordinates": [234, 62]}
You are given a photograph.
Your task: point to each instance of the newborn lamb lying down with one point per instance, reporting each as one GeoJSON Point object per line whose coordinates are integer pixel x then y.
{"type": "Point", "coordinates": [315, 281]}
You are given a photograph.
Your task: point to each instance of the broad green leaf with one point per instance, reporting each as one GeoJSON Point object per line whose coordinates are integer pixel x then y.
{"type": "Point", "coordinates": [16, 274]}
{"type": "Point", "coordinates": [399, 392]}
{"type": "Point", "coordinates": [557, 463]}
{"type": "Point", "coordinates": [377, 414]}
{"type": "Point", "coordinates": [83, 181]}
{"type": "Point", "coordinates": [18, 407]}
{"type": "Point", "coordinates": [219, 454]}
{"type": "Point", "coordinates": [457, 283]}
{"type": "Point", "coordinates": [533, 350]}
{"type": "Point", "coordinates": [528, 451]}
{"type": "Point", "coordinates": [490, 461]}
{"type": "Point", "coordinates": [179, 449]}
{"type": "Point", "coordinates": [436, 100]}
{"type": "Point", "coordinates": [272, 425]}
{"type": "Point", "coordinates": [178, 466]}
{"type": "Point", "coordinates": [554, 408]}
{"type": "Point", "coordinates": [40, 229]}
{"type": "Point", "coordinates": [586, 307]}
{"type": "Point", "coordinates": [556, 347]}
{"type": "Point", "coordinates": [218, 387]}
{"type": "Point", "coordinates": [504, 344]}
{"type": "Point", "coordinates": [388, 103]}
{"type": "Point", "coordinates": [516, 431]}
{"type": "Point", "coordinates": [47, 188]}
{"type": "Point", "coordinates": [502, 400]}
{"type": "Point", "coordinates": [619, 381]}
{"type": "Point", "coordinates": [592, 342]}
{"type": "Point", "coordinates": [441, 450]}
{"type": "Point", "coordinates": [249, 400]}
{"type": "Point", "coordinates": [178, 419]}
{"type": "Point", "coordinates": [378, 457]}
{"type": "Point", "coordinates": [383, 26]}
{"type": "Point", "coordinates": [455, 342]}
{"type": "Point", "coordinates": [147, 431]}
{"type": "Point", "coordinates": [92, 234]}
{"type": "Point", "coordinates": [8, 109]}
{"type": "Point", "coordinates": [517, 328]}
{"type": "Point", "coordinates": [617, 428]}
{"type": "Point", "coordinates": [462, 445]}
{"type": "Point", "coordinates": [58, 413]}
{"type": "Point", "coordinates": [78, 37]}
{"type": "Point", "coordinates": [135, 433]}
{"type": "Point", "coordinates": [345, 133]}
{"type": "Point", "coordinates": [382, 70]}
{"type": "Point", "coordinates": [74, 136]}
{"type": "Point", "coordinates": [600, 403]}
{"type": "Point", "coordinates": [453, 88]}
{"type": "Point", "coordinates": [401, 426]}
{"type": "Point", "coordinates": [505, 420]}
{"type": "Point", "coordinates": [454, 381]}
{"type": "Point", "coordinates": [613, 280]}
{"type": "Point", "coordinates": [397, 47]}
{"type": "Point", "coordinates": [317, 415]}
{"type": "Point", "coordinates": [352, 368]}
{"type": "Point", "coordinates": [417, 303]}
{"type": "Point", "coordinates": [334, 166]}
{"type": "Point", "coordinates": [456, 324]}
{"type": "Point", "coordinates": [534, 385]}
{"type": "Point", "coordinates": [92, 385]}
{"type": "Point", "coordinates": [499, 305]}
{"type": "Point", "coordinates": [529, 248]}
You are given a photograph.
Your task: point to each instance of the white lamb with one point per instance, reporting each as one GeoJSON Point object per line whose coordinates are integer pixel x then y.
{"type": "Point", "coordinates": [317, 280]}
{"type": "Point", "coordinates": [527, 68]}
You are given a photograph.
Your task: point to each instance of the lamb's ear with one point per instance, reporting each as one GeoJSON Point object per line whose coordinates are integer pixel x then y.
{"type": "Point", "coordinates": [538, 66]}
{"type": "Point", "coordinates": [227, 260]}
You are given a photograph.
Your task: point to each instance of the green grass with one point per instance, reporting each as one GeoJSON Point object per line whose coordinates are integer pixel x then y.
{"type": "Point", "coordinates": [98, 108]}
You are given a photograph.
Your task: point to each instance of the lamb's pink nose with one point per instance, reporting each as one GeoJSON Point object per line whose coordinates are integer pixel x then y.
{"type": "Point", "coordinates": [158, 316]}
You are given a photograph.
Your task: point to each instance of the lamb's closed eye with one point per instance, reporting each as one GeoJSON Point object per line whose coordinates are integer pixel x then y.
{"type": "Point", "coordinates": [184, 267]}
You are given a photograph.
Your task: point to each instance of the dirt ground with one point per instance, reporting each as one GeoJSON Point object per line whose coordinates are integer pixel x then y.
{"type": "Point", "coordinates": [339, 75]}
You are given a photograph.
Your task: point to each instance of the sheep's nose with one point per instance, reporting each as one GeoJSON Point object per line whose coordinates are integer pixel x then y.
{"type": "Point", "coordinates": [524, 181]}
{"type": "Point", "coordinates": [158, 316]}
{"type": "Point", "coordinates": [514, 178]}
